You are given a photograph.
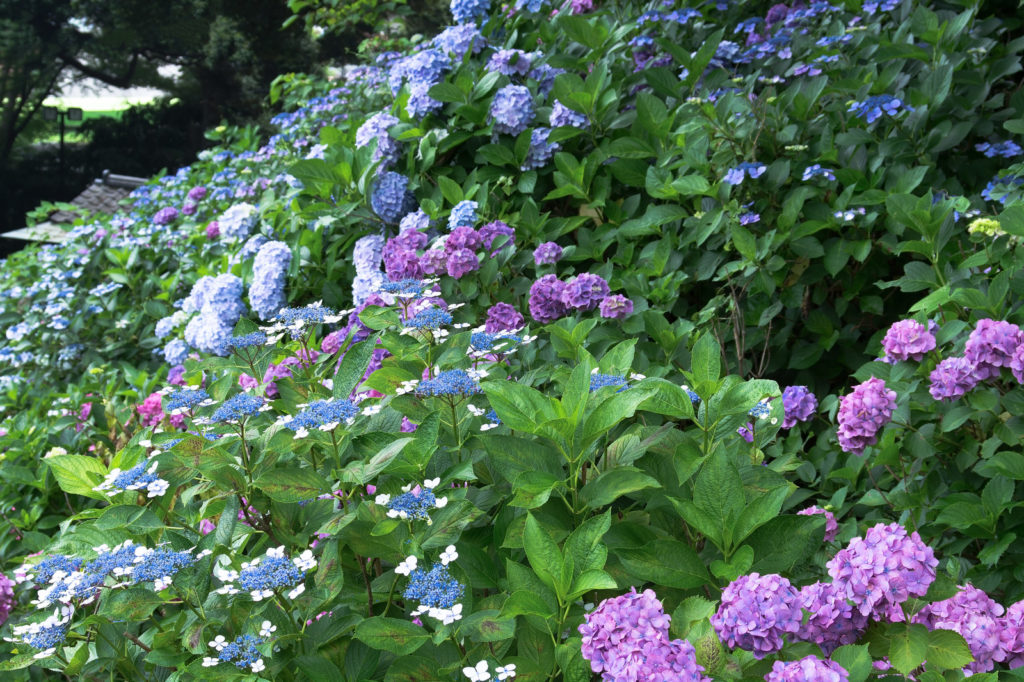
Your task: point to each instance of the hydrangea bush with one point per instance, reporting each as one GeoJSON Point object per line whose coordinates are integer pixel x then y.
{"type": "Point", "coordinates": [654, 342]}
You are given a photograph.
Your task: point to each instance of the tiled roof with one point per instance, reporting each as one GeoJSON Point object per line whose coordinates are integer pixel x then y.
{"type": "Point", "coordinates": [102, 196]}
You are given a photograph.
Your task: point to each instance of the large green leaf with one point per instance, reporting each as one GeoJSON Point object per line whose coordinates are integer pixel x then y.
{"type": "Point", "coordinates": [292, 485]}
{"type": "Point", "coordinates": [78, 474]}
{"type": "Point", "coordinates": [665, 562]}
{"type": "Point", "coordinates": [614, 483]}
{"type": "Point", "coordinates": [397, 635]}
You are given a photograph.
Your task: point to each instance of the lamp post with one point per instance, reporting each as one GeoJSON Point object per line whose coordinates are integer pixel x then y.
{"type": "Point", "coordinates": [59, 113]}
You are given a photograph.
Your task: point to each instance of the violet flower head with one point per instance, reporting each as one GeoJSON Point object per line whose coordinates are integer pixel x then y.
{"type": "Point", "coordinates": [908, 340]}
{"type": "Point", "coordinates": [213, 230]}
{"type": "Point", "coordinates": [1011, 637]}
{"type": "Point", "coordinates": [883, 569]}
{"type": "Point", "coordinates": [7, 599]}
{"type": "Point", "coordinates": [952, 378]}
{"type": "Point", "coordinates": [831, 525]}
{"type": "Point", "coordinates": [510, 62]}
{"type": "Point", "coordinates": [512, 109]}
{"type": "Point", "coordinates": [863, 413]}
{"type": "Point", "coordinates": [402, 264]}
{"type": "Point", "coordinates": [756, 611]}
{"type": "Point", "coordinates": [165, 216]}
{"type": "Point", "coordinates": [991, 345]}
{"type": "Point", "coordinates": [502, 317]}
{"type": "Point", "coordinates": [977, 617]}
{"type": "Point", "coordinates": [434, 262]}
{"type": "Point", "coordinates": [616, 307]}
{"type": "Point", "coordinates": [546, 299]}
{"type": "Point", "coordinates": [584, 291]}
{"type": "Point", "coordinates": [461, 262]}
{"type": "Point", "coordinates": [492, 231]}
{"type": "Point", "coordinates": [807, 669]}
{"type": "Point", "coordinates": [463, 237]}
{"type": "Point", "coordinates": [547, 253]}
{"type": "Point", "coordinates": [798, 405]}
{"type": "Point", "coordinates": [833, 620]}
{"type": "Point", "coordinates": [411, 239]}
{"type": "Point", "coordinates": [1017, 363]}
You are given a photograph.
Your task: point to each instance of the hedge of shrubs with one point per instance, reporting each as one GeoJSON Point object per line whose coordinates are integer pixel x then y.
{"type": "Point", "coordinates": [633, 342]}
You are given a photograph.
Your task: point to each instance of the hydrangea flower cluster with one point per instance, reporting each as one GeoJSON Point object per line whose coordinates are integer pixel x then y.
{"type": "Point", "coordinates": [541, 150]}
{"type": "Point", "coordinates": [991, 346]}
{"type": "Point", "coordinates": [977, 617]}
{"type": "Point", "coordinates": [735, 176]}
{"type": "Point", "coordinates": [266, 295]}
{"type": "Point", "coordinates": [563, 116]}
{"type": "Point", "coordinates": [952, 378]}
{"type": "Point", "coordinates": [142, 476]}
{"type": "Point", "coordinates": [463, 214]}
{"type": "Point", "coordinates": [547, 253]}
{"type": "Point", "coordinates": [414, 503]}
{"type": "Point", "coordinates": [627, 638]}
{"type": "Point", "coordinates": [798, 405]}
{"type": "Point", "coordinates": [237, 222]}
{"type": "Point", "coordinates": [832, 621]}
{"type": "Point", "coordinates": [1007, 149]}
{"type": "Point", "coordinates": [816, 170]}
{"type": "Point", "coordinates": [873, 108]}
{"type": "Point", "coordinates": [467, 11]}
{"type": "Point", "coordinates": [450, 383]}
{"type": "Point", "coordinates": [237, 408]}
{"type": "Point", "coordinates": [551, 298]}
{"type": "Point", "coordinates": [243, 651]}
{"type": "Point", "coordinates": [756, 612]}
{"type": "Point", "coordinates": [324, 415]}
{"type": "Point", "coordinates": [46, 635]}
{"type": "Point", "coordinates": [883, 569]}
{"type": "Point", "coordinates": [908, 340]}
{"type": "Point", "coordinates": [391, 198]}
{"type": "Point", "coordinates": [599, 381]}
{"type": "Point", "coordinates": [375, 129]}
{"type": "Point", "coordinates": [502, 317]}
{"type": "Point", "coordinates": [863, 413]}
{"type": "Point", "coordinates": [512, 109]}
{"type": "Point", "coordinates": [615, 307]}
{"type": "Point", "coordinates": [187, 400]}
{"type": "Point", "coordinates": [262, 577]}
{"type": "Point", "coordinates": [7, 599]}
{"type": "Point", "coordinates": [218, 300]}
{"type": "Point", "coordinates": [807, 669]}
{"type": "Point", "coordinates": [437, 592]}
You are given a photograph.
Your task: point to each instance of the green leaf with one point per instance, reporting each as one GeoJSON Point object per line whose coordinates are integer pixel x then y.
{"type": "Point", "coordinates": [518, 406]}
{"type": "Point", "coordinates": [584, 543]}
{"type": "Point", "coordinates": [613, 409]}
{"type": "Point", "coordinates": [78, 474]}
{"type": "Point", "coordinates": [614, 483]}
{"type": "Point", "coordinates": [451, 191]}
{"type": "Point", "coordinates": [353, 367]}
{"type": "Point", "coordinates": [489, 626]}
{"type": "Point", "coordinates": [785, 541]}
{"type": "Point", "coordinates": [855, 659]}
{"type": "Point", "coordinates": [396, 635]}
{"type": "Point", "coordinates": [718, 492]}
{"type": "Point", "coordinates": [131, 604]}
{"type": "Point", "coordinates": [665, 562]}
{"type": "Point", "coordinates": [533, 488]}
{"type": "Point", "coordinates": [542, 552]}
{"type": "Point", "coordinates": [706, 359]}
{"type": "Point", "coordinates": [292, 485]}
{"type": "Point", "coordinates": [526, 603]}
{"type": "Point", "coordinates": [364, 472]}
{"type": "Point", "coordinates": [908, 646]}
{"type": "Point", "coordinates": [947, 650]}
{"type": "Point", "coordinates": [590, 580]}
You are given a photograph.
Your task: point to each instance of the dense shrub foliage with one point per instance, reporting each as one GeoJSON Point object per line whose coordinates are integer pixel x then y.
{"type": "Point", "coordinates": [641, 343]}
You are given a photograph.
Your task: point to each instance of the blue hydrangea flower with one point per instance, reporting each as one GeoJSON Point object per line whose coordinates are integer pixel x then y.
{"type": "Point", "coordinates": [404, 288]}
{"type": "Point", "coordinates": [420, 102]}
{"type": "Point", "coordinates": [425, 67]}
{"type": "Point", "coordinates": [510, 62]}
{"type": "Point", "coordinates": [242, 652]}
{"type": "Point", "coordinates": [873, 108]}
{"type": "Point", "coordinates": [1002, 187]}
{"type": "Point", "coordinates": [435, 588]}
{"type": "Point", "coordinates": [186, 400]}
{"type": "Point", "coordinates": [237, 407]}
{"type": "Point", "coordinates": [460, 39]}
{"type": "Point", "coordinates": [415, 504]}
{"type": "Point", "coordinates": [816, 170]}
{"type": "Point", "coordinates": [598, 381]}
{"type": "Point", "coordinates": [429, 319]}
{"type": "Point", "coordinates": [512, 109]}
{"type": "Point", "coordinates": [452, 382]}
{"type": "Point", "coordinates": [391, 198]}
{"type": "Point", "coordinates": [159, 566]}
{"type": "Point", "coordinates": [465, 11]}
{"type": "Point", "coordinates": [266, 295]}
{"type": "Point", "coordinates": [734, 176]}
{"type": "Point", "coordinates": [563, 116]}
{"type": "Point", "coordinates": [247, 341]}
{"type": "Point", "coordinates": [463, 215]}
{"type": "Point", "coordinates": [541, 151]}
{"type": "Point", "coordinates": [142, 476]}
{"type": "Point", "coordinates": [237, 222]}
{"type": "Point", "coordinates": [176, 352]}
{"type": "Point", "coordinates": [1006, 149]}
{"type": "Point", "coordinates": [325, 415]}
{"type": "Point", "coordinates": [375, 129]}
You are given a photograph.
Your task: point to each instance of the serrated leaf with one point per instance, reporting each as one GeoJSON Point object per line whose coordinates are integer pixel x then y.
{"type": "Point", "coordinates": [292, 485]}
{"type": "Point", "coordinates": [400, 637]}
{"type": "Point", "coordinates": [947, 650]}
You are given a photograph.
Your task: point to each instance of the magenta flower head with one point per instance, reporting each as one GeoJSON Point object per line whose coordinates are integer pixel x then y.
{"type": "Point", "coordinates": [991, 345]}
{"type": "Point", "coordinates": [213, 230]}
{"type": "Point", "coordinates": [952, 378]}
{"type": "Point", "coordinates": [189, 208]}
{"type": "Point", "coordinates": [461, 262]}
{"type": "Point", "coordinates": [411, 239]}
{"type": "Point", "coordinates": [165, 215]}
{"type": "Point", "coordinates": [831, 525]}
{"type": "Point", "coordinates": [547, 253]}
{"type": "Point", "coordinates": [908, 340]}
{"type": "Point", "coordinates": [434, 262]}
{"type": "Point", "coordinates": [756, 611]}
{"type": "Point", "coordinates": [807, 669]}
{"type": "Point", "coordinates": [616, 307]}
{"type": "Point", "coordinates": [798, 405]}
{"type": "Point", "coordinates": [883, 569]}
{"type": "Point", "coordinates": [977, 618]}
{"type": "Point", "coordinates": [490, 232]}
{"type": "Point", "coordinates": [584, 291]}
{"type": "Point", "coordinates": [863, 413]}
{"type": "Point", "coordinates": [1017, 363]}
{"type": "Point", "coordinates": [501, 317]}
{"type": "Point", "coordinates": [833, 621]}
{"type": "Point", "coordinates": [197, 193]}
{"type": "Point", "coordinates": [626, 638]}
{"type": "Point", "coordinates": [207, 526]}
{"type": "Point", "coordinates": [1011, 635]}
{"type": "Point", "coordinates": [7, 598]}
{"type": "Point", "coordinates": [546, 299]}
{"type": "Point", "coordinates": [463, 237]}
{"type": "Point", "coordinates": [401, 263]}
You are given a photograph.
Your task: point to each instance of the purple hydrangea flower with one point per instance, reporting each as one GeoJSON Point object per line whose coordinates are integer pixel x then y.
{"type": "Point", "coordinates": [883, 569]}
{"type": "Point", "coordinates": [807, 669]}
{"type": "Point", "coordinates": [189, 208]}
{"type": "Point", "coordinates": [863, 413]}
{"type": "Point", "coordinates": [798, 405]}
{"type": "Point", "coordinates": [833, 621]}
{"type": "Point", "coordinates": [502, 317]}
{"type": "Point", "coordinates": [977, 617]}
{"type": "Point", "coordinates": [411, 240]}
{"type": "Point", "coordinates": [563, 116]}
{"type": "Point", "coordinates": [1011, 636]}
{"type": "Point", "coordinates": [541, 151]}
{"type": "Point", "coordinates": [756, 611]}
{"type": "Point", "coordinates": [991, 345]}
{"type": "Point", "coordinates": [197, 193]}
{"type": "Point", "coordinates": [952, 378]}
{"type": "Point", "coordinates": [1017, 363]}
{"type": "Point", "coordinates": [547, 253]}
{"type": "Point", "coordinates": [391, 198]}
{"type": "Point", "coordinates": [420, 103]}
{"type": "Point", "coordinates": [165, 216]}
{"type": "Point", "coordinates": [434, 262]}
{"type": "Point", "coordinates": [417, 220]}
{"type": "Point", "coordinates": [908, 340]}
{"type": "Point", "coordinates": [7, 598]}
{"type": "Point", "coordinates": [584, 291]}
{"type": "Point", "coordinates": [510, 62]}
{"type": "Point", "coordinates": [490, 232]}
{"type": "Point", "coordinates": [213, 230]}
{"type": "Point", "coordinates": [461, 262]}
{"type": "Point", "coordinates": [423, 68]}
{"type": "Point", "coordinates": [546, 299]}
{"type": "Point", "coordinates": [402, 264]}
{"type": "Point", "coordinates": [831, 525]}
{"type": "Point", "coordinates": [376, 128]}
{"type": "Point", "coordinates": [626, 638]}
{"type": "Point", "coordinates": [616, 307]}
{"type": "Point", "coordinates": [464, 237]}
{"type": "Point", "coordinates": [512, 109]}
